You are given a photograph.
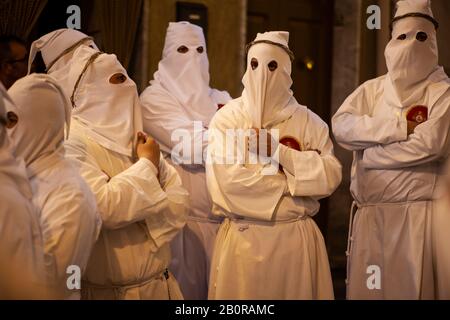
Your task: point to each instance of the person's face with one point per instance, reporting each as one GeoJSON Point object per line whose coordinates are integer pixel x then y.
{"type": "Point", "coordinates": [16, 67]}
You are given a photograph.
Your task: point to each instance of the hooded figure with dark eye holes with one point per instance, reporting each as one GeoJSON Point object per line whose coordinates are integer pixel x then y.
{"type": "Point", "coordinates": [139, 195]}
{"type": "Point", "coordinates": [268, 246]}
{"type": "Point", "coordinates": [398, 128]}
{"type": "Point", "coordinates": [180, 100]}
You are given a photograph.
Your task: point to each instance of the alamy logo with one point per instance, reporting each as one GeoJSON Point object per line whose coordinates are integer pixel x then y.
{"type": "Point", "coordinates": [74, 279]}
{"type": "Point", "coordinates": [374, 20]}
{"type": "Point", "coordinates": [74, 20]}
{"type": "Point", "coordinates": [233, 146]}
{"type": "Point", "coordinates": [374, 279]}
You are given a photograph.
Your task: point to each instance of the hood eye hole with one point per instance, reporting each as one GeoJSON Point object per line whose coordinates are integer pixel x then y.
{"type": "Point", "coordinates": [254, 63]}
{"type": "Point", "coordinates": [421, 36]}
{"type": "Point", "coordinates": [183, 49]}
{"type": "Point", "coordinates": [118, 78]}
{"type": "Point", "coordinates": [200, 49]}
{"type": "Point", "coordinates": [401, 37]}
{"type": "Point", "coordinates": [273, 65]}
{"type": "Point", "coordinates": [11, 119]}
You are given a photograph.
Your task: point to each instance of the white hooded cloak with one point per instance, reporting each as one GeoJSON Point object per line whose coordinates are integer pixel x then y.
{"type": "Point", "coordinates": [178, 96]}
{"type": "Point", "coordinates": [394, 175]}
{"type": "Point", "coordinates": [268, 247]}
{"type": "Point", "coordinates": [141, 209]}
{"type": "Point", "coordinates": [66, 207]}
{"type": "Point", "coordinates": [21, 244]}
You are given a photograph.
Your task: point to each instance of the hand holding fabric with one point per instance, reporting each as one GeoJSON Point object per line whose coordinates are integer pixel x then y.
{"type": "Point", "coordinates": [148, 148]}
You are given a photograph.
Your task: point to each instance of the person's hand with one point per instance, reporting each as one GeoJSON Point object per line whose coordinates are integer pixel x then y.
{"type": "Point", "coordinates": [411, 126]}
{"type": "Point", "coordinates": [148, 148]}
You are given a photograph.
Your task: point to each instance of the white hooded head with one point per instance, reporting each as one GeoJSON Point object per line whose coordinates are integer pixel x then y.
{"type": "Point", "coordinates": [412, 54]}
{"type": "Point", "coordinates": [43, 112]}
{"type": "Point", "coordinates": [104, 100]}
{"type": "Point", "coordinates": [56, 44]}
{"type": "Point", "coordinates": [12, 170]}
{"type": "Point", "coordinates": [184, 70]}
{"type": "Point", "coordinates": [267, 94]}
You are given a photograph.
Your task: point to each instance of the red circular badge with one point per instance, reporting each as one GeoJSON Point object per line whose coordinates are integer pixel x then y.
{"type": "Point", "coordinates": [418, 114]}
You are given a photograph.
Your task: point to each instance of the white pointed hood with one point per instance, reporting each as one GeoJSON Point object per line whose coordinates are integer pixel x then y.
{"type": "Point", "coordinates": [110, 112]}
{"type": "Point", "coordinates": [56, 44]}
{"type": "Point", "coordinates": [44, 113]}
{"type": "Point", "coordinates": [185, 75]}
{"type": "Point", "coordinates": [104, 99]}
{"type": "Point", "coordinates": [267, 95]}
{"type": "Point", "coordinates": [412, 54]}
{"type": "Point", "coordinates": [12, 170]}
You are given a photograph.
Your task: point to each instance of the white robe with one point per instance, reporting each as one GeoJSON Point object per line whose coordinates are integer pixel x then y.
{"type": "Point", "coordinates": [66, 207]}
{"type": "Point", "coordinates": [192, 247]}
{"type": "Point", "coordinates": [281, 255]}
{"type": "Point", "coordinates": [22, 271]}
{"type": "Point", "coordinates": [140, 215]}
{"type": "Point", "coordinates": [393, 180]}
{"type": "Point", "coordinates": [68, 217]}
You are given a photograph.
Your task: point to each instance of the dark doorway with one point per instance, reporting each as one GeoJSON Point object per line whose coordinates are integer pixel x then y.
{"type": "Point", "coordinates": [310, 24]}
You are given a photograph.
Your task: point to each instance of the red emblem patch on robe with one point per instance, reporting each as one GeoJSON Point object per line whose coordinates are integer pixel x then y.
{"type": "Point", "coordinates": [291, 143]}
{"type": "Point", "coordinates": [418, 114]}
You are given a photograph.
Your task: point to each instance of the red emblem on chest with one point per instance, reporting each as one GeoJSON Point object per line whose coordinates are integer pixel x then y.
{"type": "Point", "coordinates": [291, 143]}
{"type": "Point", "coordinates": [418, 114]}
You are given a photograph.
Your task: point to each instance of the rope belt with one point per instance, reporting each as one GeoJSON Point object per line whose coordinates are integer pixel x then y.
{"type": "Point", "coordinates": [204, 220]}
{"type": "Point", "coordinates": [248, 221]}
{"type": "Point", "coordinates": [388, 204]}
{"type": "Point", "coordinates": [158, 275]}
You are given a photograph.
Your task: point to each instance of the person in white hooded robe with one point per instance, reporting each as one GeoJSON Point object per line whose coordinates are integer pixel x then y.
{"type": "Point", "coordinates": [268, 246]}
{"type": "Point", "coordinates": [397, 126]}
{"type": "Point", "coordinates": [178, 96]}
{"type": "Point", "coordinates": [22, 270]}
{"type": "Point", "coordinates": [66, 207]}
{"type": "Point", "coordinates": [141, 201]}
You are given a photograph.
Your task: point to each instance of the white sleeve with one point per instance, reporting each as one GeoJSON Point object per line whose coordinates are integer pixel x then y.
{"type": "Point", "coordinates": [132, 195]}
{"type": "Point", "coordinates": [429, 142]}
{"type": "Point", "coordinates": [355, 128]}
{"type": "Point", "coordinates": [170, 125]}
{"type": "Point", "coordinates": [70, 228]}
{"type": "Point", "coordinates": [171, 218]}
{"type": "Point", "coordinates": [238, 189]}
{"type": "Point", "coordinates": [310, 174]}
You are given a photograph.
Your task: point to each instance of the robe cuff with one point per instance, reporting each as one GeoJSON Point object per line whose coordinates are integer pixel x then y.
{"type": "Point", "coordinates": [285, 158]}
{"type": "Point", "coordinates": [304, 179]}
{"type": "Point", "coordinates": [149, 164]}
